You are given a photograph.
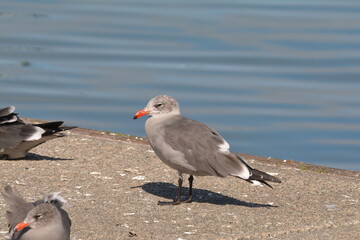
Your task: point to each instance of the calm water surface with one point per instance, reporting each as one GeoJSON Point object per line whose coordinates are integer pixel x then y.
{"type": "Point", "coordinates": [275, 78]}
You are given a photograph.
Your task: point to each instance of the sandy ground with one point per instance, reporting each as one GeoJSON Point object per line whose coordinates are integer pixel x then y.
{"type": "Point", "coordinates": [113, 183]}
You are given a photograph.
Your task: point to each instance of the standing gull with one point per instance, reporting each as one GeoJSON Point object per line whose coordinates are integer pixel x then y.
{"type": "Point", "coordinates": [17, 137]}
{"type": "Point", "coordinates": [192, 147]}
{"type": "Point", "coordinates": [42, 220]}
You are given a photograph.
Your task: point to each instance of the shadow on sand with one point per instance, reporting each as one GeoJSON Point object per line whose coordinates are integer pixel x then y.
{"type": "Point", "coordinates": [169, 191]}
{"type": "Point", "coordinates": [34, 157]}
{"type": "Point", "coordinates": [37, 157]}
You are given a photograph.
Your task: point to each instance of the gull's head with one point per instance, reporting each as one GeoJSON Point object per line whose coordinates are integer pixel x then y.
{"type": "Point", "coordinates": [161, 105]}
{"type": "Point", "coordinates": [39, 216]}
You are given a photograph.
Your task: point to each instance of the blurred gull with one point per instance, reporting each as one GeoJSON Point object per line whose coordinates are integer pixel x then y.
{"type": "Point", "coordinates": [42, 220]}
{"type": "Point", "coordinates": [17, 137]}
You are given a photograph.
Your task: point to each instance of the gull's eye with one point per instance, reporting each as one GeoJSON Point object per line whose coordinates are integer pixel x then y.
{"type": "Point", "coordinates": [38, 216]}
{"type": "Point", "coordinates": [158, 105]}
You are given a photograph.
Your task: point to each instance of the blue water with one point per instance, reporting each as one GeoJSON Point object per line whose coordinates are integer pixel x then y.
{"type": "Point", "coordinates": [276, 78]}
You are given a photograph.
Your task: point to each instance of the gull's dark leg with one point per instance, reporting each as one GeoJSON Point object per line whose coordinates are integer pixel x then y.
{"type": "Point", "coordinates": [178, 200]}
{"type": "Point", "coordinates": [191, 179]}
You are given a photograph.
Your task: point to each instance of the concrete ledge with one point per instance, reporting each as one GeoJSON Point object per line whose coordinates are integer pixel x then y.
{"type": "Point", "coordinates": [113, 182]}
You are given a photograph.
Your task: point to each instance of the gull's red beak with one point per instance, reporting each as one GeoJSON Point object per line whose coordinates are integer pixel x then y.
{"type": "Point", "coordinates": [21, 226]}
{"type": "Point", "coordinates": [141, 113]}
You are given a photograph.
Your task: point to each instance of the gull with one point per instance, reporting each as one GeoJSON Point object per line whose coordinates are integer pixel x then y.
{"type": "Point", "coordinates": [192, 148]}
{"type": "Point", "coordinates": [44, 219]}
{"type": "Point", "coordinates": [17, 137]}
